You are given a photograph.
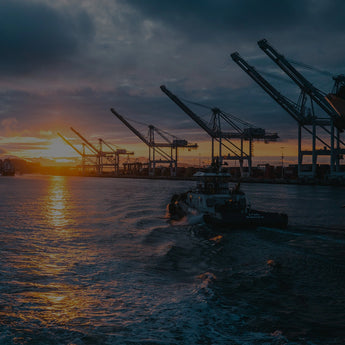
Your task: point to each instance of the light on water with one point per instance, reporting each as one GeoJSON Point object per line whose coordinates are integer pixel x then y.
{"type": "Point", "coordinates": [45, 296]}
{"type": "Point", "coordinates": [55, 205]}
{"type": "Point", "coordinates": [95, 261]}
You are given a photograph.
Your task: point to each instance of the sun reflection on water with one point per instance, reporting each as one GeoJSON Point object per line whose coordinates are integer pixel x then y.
{"type": "Point", "coordinates": [56, 202]}
{"type": "Point", "coordinates": [52, 292]}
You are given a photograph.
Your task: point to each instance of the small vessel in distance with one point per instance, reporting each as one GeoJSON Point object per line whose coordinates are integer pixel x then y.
{"type": "Point", "coordinates": [221, 206]}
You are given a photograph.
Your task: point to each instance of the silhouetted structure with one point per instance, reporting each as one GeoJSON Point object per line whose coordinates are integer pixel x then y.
{"type": "Point", "coordinates": [332, 105]}
{"type": "Point", "coordinates": [156, 148]}
{"type": "Point", "coordinates": [243, 131]}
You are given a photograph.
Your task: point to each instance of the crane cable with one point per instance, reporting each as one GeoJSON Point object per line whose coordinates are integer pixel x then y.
{"type": "Point", "coordinates": [156, 128]}
{"type": "Point", "coordinates": [225, 115]}
{"type": "Point", "coordinates": [312, 68]}
{"type": "Point", "coordinates": [300, 64]}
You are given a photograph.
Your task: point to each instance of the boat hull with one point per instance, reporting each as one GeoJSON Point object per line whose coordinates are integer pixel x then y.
{"type": "Point", "coordinates": [227, 219]}
{"type": "Point", "coordinates": [253, 219]}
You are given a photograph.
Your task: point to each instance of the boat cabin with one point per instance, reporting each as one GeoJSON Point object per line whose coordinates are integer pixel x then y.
{"type": "Point", "coordinates": [212, 183]}
{"type": "Point", "coordinates": [212, 192]}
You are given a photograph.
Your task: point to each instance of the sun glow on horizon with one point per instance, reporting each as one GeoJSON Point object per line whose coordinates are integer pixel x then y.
{"type": "Point", "coordinates": [58, 149]}
{"type": "Point", "coordinates": [52, 150]}
{"type": "Point", "coordinates": [36, 147]}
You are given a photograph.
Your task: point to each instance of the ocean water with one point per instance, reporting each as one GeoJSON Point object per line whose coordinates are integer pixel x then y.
{"type": "Point", "coordinates": [96, 261]}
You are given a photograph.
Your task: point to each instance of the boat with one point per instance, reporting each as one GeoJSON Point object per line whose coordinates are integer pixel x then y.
{"type": "Point", "coordinates": [220, 205]}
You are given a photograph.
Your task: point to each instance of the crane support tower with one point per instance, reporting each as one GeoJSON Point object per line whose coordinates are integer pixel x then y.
{"type": "Point", "coordinates": [157, 149]}
{"type": "Point", "coordinates": [116, 154]}
{"type": "Point", "coordinates": [332, 106]}
{"type": "Point", "coordinates": [242, 131]}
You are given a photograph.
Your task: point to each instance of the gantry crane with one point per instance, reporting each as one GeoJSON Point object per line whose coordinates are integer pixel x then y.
{"type": "Point", "coordinates": [117, 153]}
{"type": "Point", "coordinates": [96, 156]}
{"type": "Point", "coordinates": [85, 157]}
{"type": "Point", "coordinates": [156, 148]}
{"type": "Point", "coordinates": [306, 87]}
{"type": "Point", "coordinates": [304, 116]}
{"type": "Point", "coordinates": [320, 98]}
{"type": "Point", "coordinates": [214, 130]}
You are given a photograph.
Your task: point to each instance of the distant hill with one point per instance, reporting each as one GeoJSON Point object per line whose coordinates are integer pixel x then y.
{"type": "Point", "coordinates": [22, 166]}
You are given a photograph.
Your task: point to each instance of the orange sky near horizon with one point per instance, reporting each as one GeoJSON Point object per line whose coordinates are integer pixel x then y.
{"type": "Point", "coordinates": [52, 148]}
{"type": "Point", "coordinates": [48, 148]}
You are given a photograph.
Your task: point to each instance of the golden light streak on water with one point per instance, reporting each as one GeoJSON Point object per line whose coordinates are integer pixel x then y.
{"type": "Point", "coordinates": [56, 202]}
{"type": "Point", "coordinates": [56, 304]}
{"type": "Point", "coordinates": [52, 293]}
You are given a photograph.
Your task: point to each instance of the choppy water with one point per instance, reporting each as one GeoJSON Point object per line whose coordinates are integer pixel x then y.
{"type": "Point", "coordinates": [94, 261]}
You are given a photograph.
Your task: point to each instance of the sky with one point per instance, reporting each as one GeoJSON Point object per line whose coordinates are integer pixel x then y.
{"type": "Point", "coordinates": [66, 63]}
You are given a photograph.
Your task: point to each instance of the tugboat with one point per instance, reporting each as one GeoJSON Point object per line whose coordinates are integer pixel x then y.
{"type": "Point", "coordinates": [221, 206]}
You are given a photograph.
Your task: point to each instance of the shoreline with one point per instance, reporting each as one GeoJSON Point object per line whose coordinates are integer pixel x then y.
{"type": "Point", "coordinates": [316, 182]}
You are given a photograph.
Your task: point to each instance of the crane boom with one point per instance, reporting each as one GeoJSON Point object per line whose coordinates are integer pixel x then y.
{"type": "Point", "coordinates": [117, 151]}
{"type": "Point", "coordinates": [86, 141]}
{"type": "Point", "coordinates": [75, 149]}
{"type": "Point", "coordinates": [107, 145]}
{"type": "Point", "coordinates": [70, 144]}
{"type": "Point", "coordinates": [189, 112]}
{"type": "Point", "coordinates": [163, 135]}
{"type": "Point", "coordinates": [303, 83]}
{"type": "Point", "coordinates": [128, 125]}
{"type": "Point", "coordinates": [215, 135]}
{"type": "Point", "coordinates": [292, 108]}
{"type": "Point", "coordinates": [246, 134]}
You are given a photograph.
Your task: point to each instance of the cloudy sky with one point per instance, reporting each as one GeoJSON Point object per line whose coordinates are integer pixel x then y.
{"type": "Point", "coordinates": [66, 63]}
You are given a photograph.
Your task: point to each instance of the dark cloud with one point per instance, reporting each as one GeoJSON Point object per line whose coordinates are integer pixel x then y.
{"type": "Point", "coordinates": [34, 35]}
{"type": "Point", "coordinates": [89, 56]}
{"type": "Point", "coordinates": [199, 20]}
{"type": "Point", "coordinates": [310, 30]}
{"type": "Point", "coordinates": [328, 15]}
